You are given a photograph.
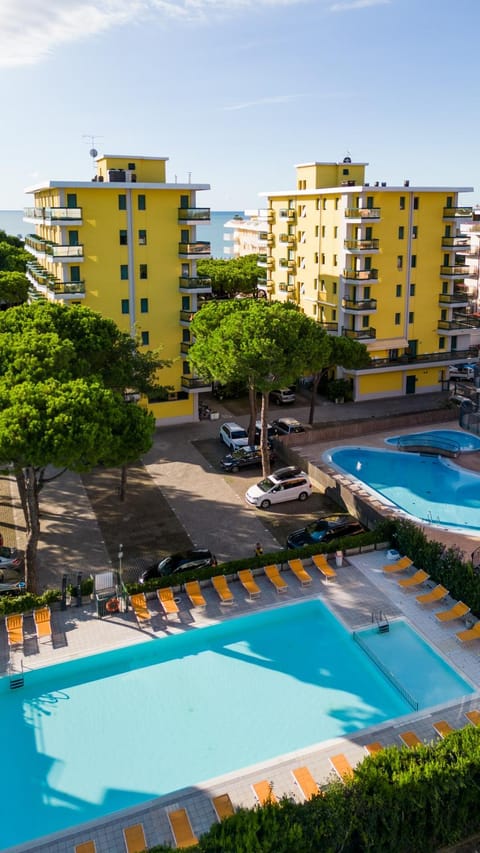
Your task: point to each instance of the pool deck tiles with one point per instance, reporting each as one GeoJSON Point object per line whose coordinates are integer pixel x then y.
{"type": "Point", "coordinates": [361, 588]}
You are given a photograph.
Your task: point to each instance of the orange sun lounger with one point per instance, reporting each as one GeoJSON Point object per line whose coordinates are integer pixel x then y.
{"type": "Point", "coordinates": [181, 828]}
{"type": "Point", "coordinates": [399, 566]}
{"type": "Point", "coordinates": [14, 626]}
{"type": "Point", "coordinates": [140, 607]}
{"type": "Point", "coordinates": [320, 561]}
{"type": "Point", "coordinates": [249, 583]}
{"type": "Point", "coordinates": [135, 841]}
{"type": "Point", "coordinates": [167, 600]}
{"type": "Point", "coordinates": [416, 579]}
{"type": "Point", "coordinates": [192, 588]}
{"type": "Point", "coordinates": [297, 568]}
{"type": "Point", "coordinates": [342, 766]}
{"type": "Point", "coordinates": [305, 782]}
{"type": "Point", "coordinates": [456, 612]}
{"type": "Point", "coordinates": [222, 589]}
{"type": "Point", "coordinates": [264, 792]}
{"type": "Point", "coordinates": [473, 717]}
{"type": "Point", "coordinates": [223, 806]}
{"type": "Point", "coordinates": [436, 594]}
{"type": "Point", "coordinates": [410, 739]}
{"type": "Point", "coordinates": [470, 634]}
{"type": "Point", "coordinates": [86, 847]}
{"type": "Point", "coordinates": [43, 626]}
{"type": "Point", "coordinates": [274, 577]}
{"type": "Point", "coordinates": [373, 748]}
{"type": "Point", "coordinates": [443, 728]}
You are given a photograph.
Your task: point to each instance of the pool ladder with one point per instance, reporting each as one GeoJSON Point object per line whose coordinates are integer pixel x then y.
{"type": "Point", "coordinates": [379, 617]}
{"type": "Point", "coordinates": [17, 679]}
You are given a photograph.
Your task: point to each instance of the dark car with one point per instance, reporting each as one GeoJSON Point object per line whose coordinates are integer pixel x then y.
{"type": "Point", "coordinates": [198, 558]}
{"type": "Point", "coordinates": [11, 565]}
{"type": "Point", "coordinates": [325, 530]}
{"type": "Point", "coordinates": [245, 457]}
{"type": "Point", "coordinates": [287, 426]}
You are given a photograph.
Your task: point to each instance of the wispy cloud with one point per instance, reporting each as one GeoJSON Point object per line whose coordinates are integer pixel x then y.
{"type": "Point", "coordinates": [260, 102]}
{"type": "Point", "coordinates": [31, 30]}
{"type": "Point", "coordinates": [348, 5]}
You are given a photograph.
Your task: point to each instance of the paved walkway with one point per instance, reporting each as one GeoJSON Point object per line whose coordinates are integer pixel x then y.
{"type": "Point", "coordinates": [360, 588]}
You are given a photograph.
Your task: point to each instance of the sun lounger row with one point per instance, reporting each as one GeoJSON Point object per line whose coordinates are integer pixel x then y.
{"type": "Point", "coordinates": [14, 626]}
{"type": "Point", "coordinates": [438, 593]}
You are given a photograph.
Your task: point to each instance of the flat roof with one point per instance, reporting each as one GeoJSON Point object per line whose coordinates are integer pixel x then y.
{"type": "Point", "coordinates": [363, 188]}
{"type": "Point", "coordinates": [108, 185]}
{"type": "Point", "coordinates": [129, 157]}
{"type": "Point", "coordinates": [332, 163]}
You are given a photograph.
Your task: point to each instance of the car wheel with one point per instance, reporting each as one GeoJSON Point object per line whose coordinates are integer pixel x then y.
{"type": "Point", "coordinates": [234, 468]}
{"type": "Point", "coordinates": [265, 504]}
{"type": "Point", "coordinates": [303, 496]}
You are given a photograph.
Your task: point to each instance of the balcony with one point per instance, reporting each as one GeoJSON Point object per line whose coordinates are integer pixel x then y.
{"type": "Point", "coordinates": [195, 284]}
{"type": "Point", "coordinates": [54, 215]}
{"type": "Point", "coordinates": [362, 213]}
{"type": "Point", "coordinates": [270, 217]}
{"type": "Point", "coordinates": [454, 271]}
{"type": "Point", "coordinates": [361, 245]}
{"type": "Point", "coordinates": [457, 213]}
{"type": "Point", "coordinates": [360, 275]}
{"type": "Point", "coordinates": [360, 334]}
{"type": "Point", "coordinates": [458, 297]}
{"type": "Point", "coordinates": [193, 214]}
{"type": "Point", "coordinates": [194, 384]}
{"type": "Point", "coordinates": [329, 326]}
{"type": "Point", "coordinates": [359, 305]}
{"type": "Point", "coordinates": [185, 347]}
{"type": "Point", "coordinates": [44, 280]}
{"type": "Point", "coordinates": [262, 260]}
{"type": "Point", "coordinates": [456, 244]}
{"type": "Point", "coordinates": [461, 322]}
{"type": "Point", "coordinates": [288, 213]}
{"type": "Point", "coordinates": [60, 253]}
{"type": "Point", "coordinates": [200, 248]}
{"type": "Point", "coordinates": [186, 317]}
{"type": "Point", "coordinates": [426, 358]}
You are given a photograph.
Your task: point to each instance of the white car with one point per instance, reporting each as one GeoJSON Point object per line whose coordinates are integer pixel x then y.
{"type": "Point", "coordinates": [275, 490]}
{"type": "Point", "coordinates": [233, 435]}
{"type": "Point", "coordinates": [282, 396]}
{"type": "Point", "coordinates": [462, 371]}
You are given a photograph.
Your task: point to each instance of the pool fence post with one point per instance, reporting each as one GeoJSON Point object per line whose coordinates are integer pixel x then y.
{"type": "Point", "coordinates": [63, 602]}
{"type": "Point", "coordinates": [79, 589]}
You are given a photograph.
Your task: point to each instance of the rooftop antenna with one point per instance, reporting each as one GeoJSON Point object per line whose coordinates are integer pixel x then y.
{"type": "Point", "coordinates": [93, 151]}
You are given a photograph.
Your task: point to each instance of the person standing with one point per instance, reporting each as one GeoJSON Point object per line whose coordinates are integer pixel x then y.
{"type": "Point", "coordinates": [258, 550]}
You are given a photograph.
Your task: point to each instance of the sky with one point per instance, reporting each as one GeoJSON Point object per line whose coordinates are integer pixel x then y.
{"type": "Point", "coordinates": [237, 92]}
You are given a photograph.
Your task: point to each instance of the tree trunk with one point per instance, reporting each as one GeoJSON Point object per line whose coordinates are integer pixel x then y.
{"type": "Point", "coordinates": [252, 402]}
{"type": "Point", "coordinates": [28, 491]}
{"type": "Point", "coordinates": [264, 435]}
{"type": "Point", "coordinates": [313, 398]}
{"type": "Point", "coordinates": [123, 483]}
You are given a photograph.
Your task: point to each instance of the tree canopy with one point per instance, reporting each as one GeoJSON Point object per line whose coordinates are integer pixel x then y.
{"type": "Point", "coordinates": [63, 373]}
{"type": "Point", "coordinates": [13, 261]}
{"type": "Point", "coordinates": [233, 276]}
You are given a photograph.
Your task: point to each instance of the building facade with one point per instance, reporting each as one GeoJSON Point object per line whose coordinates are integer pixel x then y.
{"type": "Point", "coordinates": [381, 264]}
{"type": "Point", "coordinates": [124, 244]}
{"type": "Point", "coordinates": [246, 235]}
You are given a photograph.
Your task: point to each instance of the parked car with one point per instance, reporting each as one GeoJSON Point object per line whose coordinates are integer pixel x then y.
{"type": "Point", "coordinates": [325, 529]}
{"type": "Point", "coordinates": [12, 565]}
{"type": "Point", "coordinates": [462, 371]}
{"type": "Point", "coordinates": [282, 396]}
{"type": "Point", "coordinates": [197, 558]}
{"type": "Point", "coordinates": [233, 435]}
{"type": "Point", "coordinates": [271, 431]}
{"type": "Point", "coordinates": [274, 490]}
{"type": "Point", "coordinates": [245, 457]}
{"type": "Point", "coordinates": [287, 426]}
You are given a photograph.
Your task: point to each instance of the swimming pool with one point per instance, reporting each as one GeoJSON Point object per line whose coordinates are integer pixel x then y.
{"type": "Point", "coordinates": [428, 487]}
{"type": "Point", "coordinates": [93, 736]}
{"type": "Point", "coordinates": [465, 441]}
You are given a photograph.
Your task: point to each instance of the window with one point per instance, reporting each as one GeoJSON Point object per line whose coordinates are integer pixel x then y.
{"type": "Point", "coordinates": [143, 271]}
{"type": "Point", "coordinates": [123, 237]}
{"type": "Point", "coordinates": [336, 203]}
{"type": "Point", "coordinates": [449, 201]}
{"type": "Point", "coordinates": [335, 230]}
{"type": "Point", "coordinates": [365, 322]}
{"type": "Point", "coordinates": [186, 368]}
{"type": "Point", "coordinates": [415, 232]}
{"type": "Point", "coordinates": [334, 287]}
{"type": "Point", "coordinates": [186, 336]}
{"type": "Point", "coordinates": [317, 204]}
{"type": "Point", "coordinates": [413, 261]}
{"type": "Point", "coordinates": [345, 171]}
{"type": "Point", "coordinates": [322, 258]}
{"type": "Point", "coordinates": [142, 237]}
{"type": "Point", "coordinates": [335, 260]}
{"type": "Point", "coordinates": [334, 315]}
{"type": "Point", "coordinates": [393, 354]}
{"type": "Point", "coordinates": [412, 290]}
{"type": "Point", "coordinates": [323, 230]}
{"type": "Point", "coordinates": [142, 202]}
{"type": "Point", "coordinates": [324, 203]}
{"type": "Point", "coordinates": [73, 238]}
{"type": "Point", "coordinates": [184, 235]}
{"type": "Point", "coordinates": [71, 200]}
{"type": "Point", "coordinates": [416, 202]}
{"type": "Point", "coordinates": [411, 317]}
{"type": "Point", "coordinates": [366, 292]}
{"type": "Point", "coordinates": [441, 343]}
{"type": "Point", "coordinates": [398, 290]}
{"type": "Point", "coordinates": [315, 257]}
{"type": "Point", "coordinates": [122, 201]}
{"type": "Point", "coordinates": [125, 306]}
{"type": "Point", "coordinates": [74, 273]}
{"type": "Point", "coordinates": [131, 167]}
{"type": "Point", "coordinates": [144, 306]}
{"type": "Point", "coordinates": [145, 339]}
{"type": "Point", "coordinates": [401, 232]}
{"type": "Point", "coordinates": [185, 303]}
{"type": "Point", "coordinates": [402, 202]}
{"type": "Point", "coordinates": [370, 202]}
{"type": "Point", "coordinates": [124, 272]}
{"type": "Point", "coordinates": [316, 231]}
{"type": "Point", "coordinates": [399, 262]}
{"type": "Point", "coordinates": [397, 319]}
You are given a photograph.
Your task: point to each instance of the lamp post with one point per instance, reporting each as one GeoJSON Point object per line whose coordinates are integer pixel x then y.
{"type": "Point", "coordinates": [120, 558]}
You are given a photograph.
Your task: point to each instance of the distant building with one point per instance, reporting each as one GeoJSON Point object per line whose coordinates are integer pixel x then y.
{"type": "Point", "coordinates": [124, 244]}
{"type": "Point", "coordinates": [383, 265]}
{"type": "Point", "coordinates": [248, 235]}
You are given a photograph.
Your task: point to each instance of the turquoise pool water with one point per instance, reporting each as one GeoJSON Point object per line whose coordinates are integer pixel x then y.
{"type": "Point", "coordinates": [87, 738]}
{"type": "Point", "coordinates": [431, 488]}
{"type": "Point", "coordinates": [465, 440]}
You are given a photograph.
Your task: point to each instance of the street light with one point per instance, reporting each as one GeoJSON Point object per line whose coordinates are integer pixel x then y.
{"type": "Point", "coordinates": [120, 558]}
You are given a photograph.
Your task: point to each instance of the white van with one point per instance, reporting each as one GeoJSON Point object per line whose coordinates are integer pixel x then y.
{"type": "Point", "coordinates": [275, 490]}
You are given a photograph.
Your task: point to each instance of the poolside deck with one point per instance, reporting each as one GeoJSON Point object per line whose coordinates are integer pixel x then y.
{"type": "Point", "coordinates": [360, 588]}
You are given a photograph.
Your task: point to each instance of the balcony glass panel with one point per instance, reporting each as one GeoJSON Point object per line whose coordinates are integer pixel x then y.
{"type": "Point", "coordinates": [200, 247]}
{"type": "Point", "coordinates": [458, 269]}
{"type": "Point", "coordinates": [360, 275]}
{"type": "Point", "coordinates": [195, 282]}
{"type": "Point", "coordinates": [362, 245]}
{"type": "Point", "coordinates": [362, 213]}
{"type": "Point", "coordinates": [201, 214]}
{"type": "Point", "coordinates": [358, 334]}
{"type": "Point", "coordinates": [360, 304]}
{"type": "Point", "coordinates": [457, 212]}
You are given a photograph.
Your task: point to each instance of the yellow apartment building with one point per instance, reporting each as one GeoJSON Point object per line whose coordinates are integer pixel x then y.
{"type": "Point", "coordinates": [385, 265]}
{"type": "Point", "coordinates": [125, 244]}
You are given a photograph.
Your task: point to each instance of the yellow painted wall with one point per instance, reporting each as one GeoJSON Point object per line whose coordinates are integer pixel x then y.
{"type": "Point", "coordinates": [146, 170]}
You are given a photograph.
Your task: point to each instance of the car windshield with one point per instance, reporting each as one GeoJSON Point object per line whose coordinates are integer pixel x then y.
{"type": "Point", "coordinates": [266, 485]}
{"type": "Point", "coordinates": [239, 433]}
